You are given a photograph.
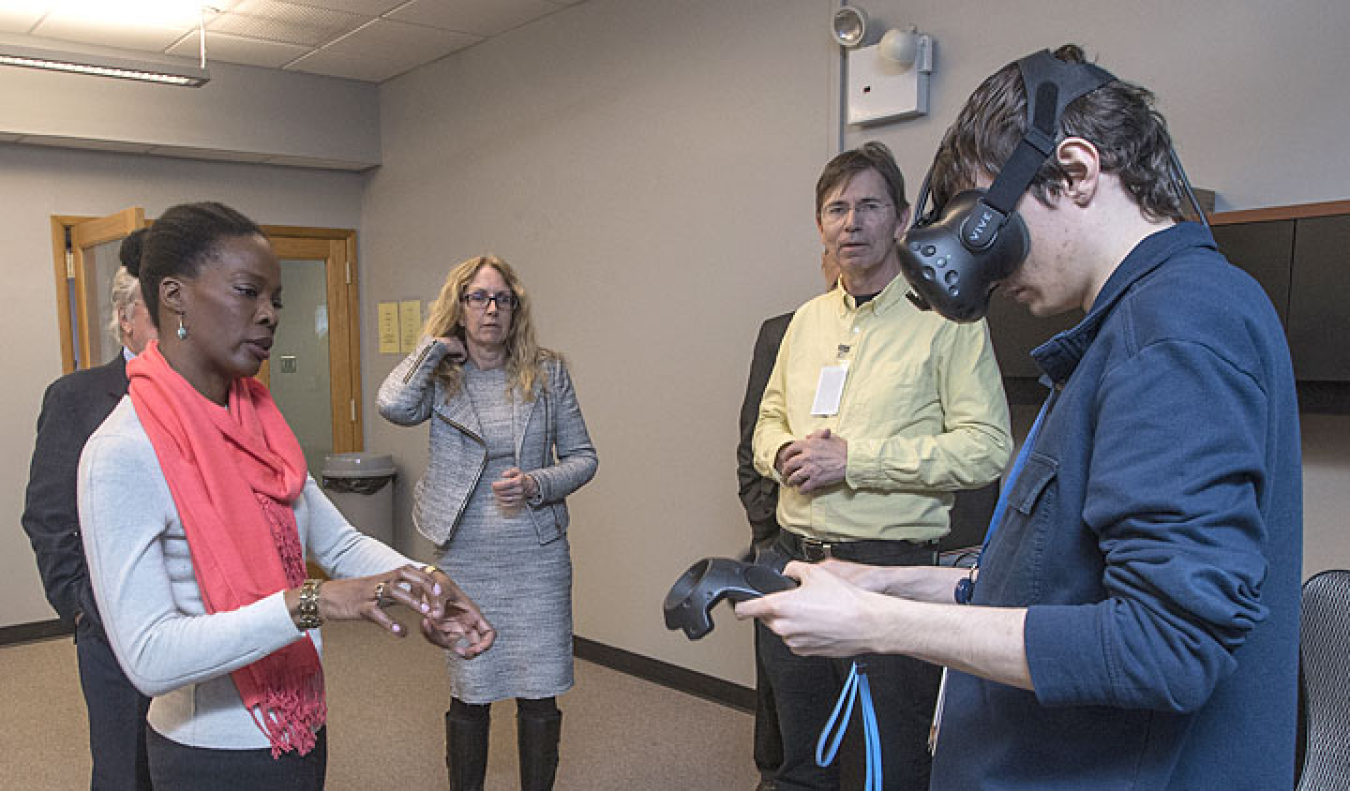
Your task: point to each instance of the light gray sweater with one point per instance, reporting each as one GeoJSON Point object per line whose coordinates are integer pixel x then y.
{"type": "Point", "coordinates": [141, 571]}
{"type": "Point", "coordinates": [552, 443]}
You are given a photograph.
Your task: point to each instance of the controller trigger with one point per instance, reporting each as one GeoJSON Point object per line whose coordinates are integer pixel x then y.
{"type": "Point", "coordinates": [689, 603]}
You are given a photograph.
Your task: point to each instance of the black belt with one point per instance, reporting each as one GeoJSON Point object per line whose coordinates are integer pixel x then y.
{"type": "Point", "coordinates": [886, 553]}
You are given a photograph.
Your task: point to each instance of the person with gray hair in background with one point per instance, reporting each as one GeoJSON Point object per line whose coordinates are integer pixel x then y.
{"type": "Point", "coordinates": [72, 408]}
{"type": "Point", "coordinates": [874, 414]}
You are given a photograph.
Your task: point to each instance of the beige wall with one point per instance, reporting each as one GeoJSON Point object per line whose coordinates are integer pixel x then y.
{"type": "Point", "coordinates": [40, 182]}
{"type": "Point", "coordinates": [1239, 82]}
{"type": "Point", "coordinates": [1245, 84]}
{"type": "Point", "coordinates": [648, 166]}
{"type": "Point", "coordinates": [308, 118]}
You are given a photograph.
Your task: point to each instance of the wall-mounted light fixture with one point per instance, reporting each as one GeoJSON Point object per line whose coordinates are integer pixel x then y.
{"type": "Point", "coordinates": [888, 80]}
{"type": "Point", "coordinates": [849, 26]}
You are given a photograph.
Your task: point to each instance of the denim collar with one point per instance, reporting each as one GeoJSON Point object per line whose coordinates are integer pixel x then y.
{"type": "Point", "coordinates": [1059, 356]}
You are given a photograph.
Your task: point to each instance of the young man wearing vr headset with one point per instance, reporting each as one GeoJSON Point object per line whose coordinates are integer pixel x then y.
{"type": "Point", "coordinates": [1134, 619]}
{"type": "Point", "coordinates": [875, 412]}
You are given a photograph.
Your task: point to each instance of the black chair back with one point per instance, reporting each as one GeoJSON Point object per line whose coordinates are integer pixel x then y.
{"type": "Point", "coordinates": [1324, 649]}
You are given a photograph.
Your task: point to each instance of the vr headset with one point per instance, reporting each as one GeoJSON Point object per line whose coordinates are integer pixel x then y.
{"type": "Point", "coordinates": [953, 255]}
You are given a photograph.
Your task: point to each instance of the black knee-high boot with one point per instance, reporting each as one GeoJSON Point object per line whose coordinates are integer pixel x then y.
{"type": "Point", "coordinates": [537, 737]}
{"type": "Point", "coordinates": [466, 750]}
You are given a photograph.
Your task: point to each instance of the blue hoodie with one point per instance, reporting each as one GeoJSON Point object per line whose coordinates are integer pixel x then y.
{"type": "Point", "coordinates": [1155, 536]}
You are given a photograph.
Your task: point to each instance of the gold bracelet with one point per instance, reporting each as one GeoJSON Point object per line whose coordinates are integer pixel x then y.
{"type": "Point", "coordinates": [430, 569]}
{"type": "Point", "coordinates": [308, 606]}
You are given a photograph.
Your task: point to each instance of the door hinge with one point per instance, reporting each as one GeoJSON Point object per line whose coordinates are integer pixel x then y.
{"type": "Point", "coordinates": [349, 271]}
{"type": "Point", "coordinates": [353, 403]}
{"type": "Point", "coordinates": [70, 265]}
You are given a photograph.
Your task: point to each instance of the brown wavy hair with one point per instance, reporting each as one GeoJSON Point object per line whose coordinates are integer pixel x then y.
{"type": "Point", "coordinates": [869, 156]}
{"type": "Point", "coordinates": [524, 357]}
{"type": "Point", "coordinates": [1118, 118]}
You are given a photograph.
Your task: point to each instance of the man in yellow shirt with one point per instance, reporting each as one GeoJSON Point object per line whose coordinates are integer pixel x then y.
{"type": "Point", "coordinates": [874, 414]}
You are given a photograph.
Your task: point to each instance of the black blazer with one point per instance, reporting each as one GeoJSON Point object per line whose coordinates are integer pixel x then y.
{"type": "Point", "coordinates": [73, 407]}
{"type": "Point", "coordinates": [758, 494]}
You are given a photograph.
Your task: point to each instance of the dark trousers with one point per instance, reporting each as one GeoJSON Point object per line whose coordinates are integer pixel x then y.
{"type": "Point", "coordinates": [768, 739]}
{"type": "Point", "coordinates": [904, 692]}
{"type": "Point", "coordinates": [176, 767]}
{"type": "Point", "coordinates": [116, 714]}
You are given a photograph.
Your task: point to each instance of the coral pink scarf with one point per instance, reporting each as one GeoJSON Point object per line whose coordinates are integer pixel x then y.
{"type": "Point", "coordinates": [234, 473]}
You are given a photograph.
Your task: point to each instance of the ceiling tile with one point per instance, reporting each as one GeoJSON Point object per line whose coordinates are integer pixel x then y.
{"type": "Point", "coordinates": [371, 40]}
{"type": "Point", "coordinates": [370, 8]}
{"type": "Point", "coordinates": [226, 48]}
{"type": "Point", "coordinates": [383, 49]}
{"type": "Point", "coordinates": [398, 41]}
{"type": "Point", "coordinates": [351, 68]}
{"type": "Point", "coordinates": [147, 39]}
{"type": "Point", "coordinates": [480, 17]}
{"type": "Point", "coordinates": [287, 23]}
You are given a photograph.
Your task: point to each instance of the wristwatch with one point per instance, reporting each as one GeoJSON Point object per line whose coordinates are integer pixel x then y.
{"type": "Point", "coordinates": [308, 606]}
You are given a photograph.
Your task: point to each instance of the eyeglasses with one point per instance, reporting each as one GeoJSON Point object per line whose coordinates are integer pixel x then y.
{"type": "Point", "coordinates": [478, 300]}
{"type": "Point", "coordinates": [867, 210]}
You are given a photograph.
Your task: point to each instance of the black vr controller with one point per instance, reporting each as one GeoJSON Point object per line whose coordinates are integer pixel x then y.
{"type": "Point", "coordinates": [690, 601]}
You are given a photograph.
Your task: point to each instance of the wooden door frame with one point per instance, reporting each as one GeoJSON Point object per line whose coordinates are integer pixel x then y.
{"type": "Point", "coordinates": [336, 246]}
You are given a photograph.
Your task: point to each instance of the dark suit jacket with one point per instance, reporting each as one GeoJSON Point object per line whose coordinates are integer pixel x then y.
{"type": "Point", "coordinates": [73, 407]}
{"type": "Point", "coordinates": [758, 494]}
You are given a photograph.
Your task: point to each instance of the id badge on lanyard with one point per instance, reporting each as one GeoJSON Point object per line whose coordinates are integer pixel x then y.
{"type": "Point", "coordinates": [830, 386]}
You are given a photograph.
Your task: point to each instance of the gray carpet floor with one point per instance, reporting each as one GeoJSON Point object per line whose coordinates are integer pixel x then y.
{"type": "Point", "coordinates": [386, 728]}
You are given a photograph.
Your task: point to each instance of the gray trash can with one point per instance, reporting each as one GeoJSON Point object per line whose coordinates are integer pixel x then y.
{"type": "Point", "coordinates": [361, 485]}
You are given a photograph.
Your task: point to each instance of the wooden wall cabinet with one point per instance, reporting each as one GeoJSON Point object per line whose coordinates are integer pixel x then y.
{"type": "Point", "coordinates": [1299, 254]}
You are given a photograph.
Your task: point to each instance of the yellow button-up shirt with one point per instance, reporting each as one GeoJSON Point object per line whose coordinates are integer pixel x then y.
{"type": "Point", "coordinates": [922, 410]}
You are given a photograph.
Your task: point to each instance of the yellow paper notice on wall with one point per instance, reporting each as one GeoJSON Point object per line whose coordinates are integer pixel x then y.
{"type": "Point", "coordinates": [389, 328]}
{"type": "Point", "coordinates": [410, 323]}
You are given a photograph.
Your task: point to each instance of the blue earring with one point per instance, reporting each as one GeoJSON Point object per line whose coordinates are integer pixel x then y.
{"type": "Point", "coordinates": [182, 331]}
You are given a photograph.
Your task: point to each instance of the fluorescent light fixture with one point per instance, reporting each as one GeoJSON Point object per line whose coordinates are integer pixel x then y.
{"type": "Point", "coordinates": [72, 61]}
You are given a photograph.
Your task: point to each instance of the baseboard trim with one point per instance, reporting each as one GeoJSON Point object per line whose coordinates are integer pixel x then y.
{"type": "Point", "coordinates": [38, 630]}
{"type": "Point", "coordinates": [678, 678]}
{"type": "Point", "coordinates": [681, 679]}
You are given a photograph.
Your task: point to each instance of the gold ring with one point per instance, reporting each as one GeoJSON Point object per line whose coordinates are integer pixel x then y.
{"type": "Point", "coordinates": [430, 569]}
{"type": "Point", "coordinates": [379, 594]}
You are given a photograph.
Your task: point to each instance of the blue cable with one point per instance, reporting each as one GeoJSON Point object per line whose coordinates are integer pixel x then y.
{"type": "Point", "coordinates": [966, 588]}
{"type": "Point", "coordinates": [855, 688]}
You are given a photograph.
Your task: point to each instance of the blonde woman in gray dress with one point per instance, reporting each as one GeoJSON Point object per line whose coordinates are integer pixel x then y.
{"type": "Point", "coordinates": [508, 443]}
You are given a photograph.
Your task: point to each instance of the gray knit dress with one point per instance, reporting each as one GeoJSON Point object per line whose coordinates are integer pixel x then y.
{"type": "Point", "coordinates": [523, 588]}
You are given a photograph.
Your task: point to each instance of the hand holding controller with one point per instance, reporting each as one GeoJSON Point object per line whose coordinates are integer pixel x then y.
{"type": "Point", "coordinates": [709, 581]}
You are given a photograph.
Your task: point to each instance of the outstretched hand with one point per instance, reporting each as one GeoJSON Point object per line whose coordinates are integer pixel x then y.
{"type": "Point", "coordinates": [450, 619]}
{"type": "Point", "coordinates": [825, 616]}
{"type": "Point", "coordinates": [365, 598]}
{"type": "Point", "coordinates": [454, 621]}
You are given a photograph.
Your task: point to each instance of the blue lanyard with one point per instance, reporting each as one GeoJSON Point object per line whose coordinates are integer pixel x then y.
{"type": "Point", "coordinates": [966, 587]}
{"type": "Point", "coordinates": [855, 688]}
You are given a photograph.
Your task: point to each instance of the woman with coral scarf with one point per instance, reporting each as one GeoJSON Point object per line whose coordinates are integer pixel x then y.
{"type": "Point", "coordinates": [197, 513]}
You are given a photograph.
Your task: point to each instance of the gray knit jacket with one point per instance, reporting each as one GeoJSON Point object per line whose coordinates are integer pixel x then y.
{"type": "Point", "coordinates": [554, 447]}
